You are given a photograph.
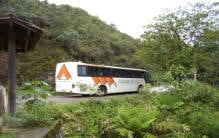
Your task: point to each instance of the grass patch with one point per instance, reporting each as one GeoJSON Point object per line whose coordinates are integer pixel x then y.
{"type": "Point", "coordinates": [8, 133]}
{"type": "Point", "coordinates": [217, 88]}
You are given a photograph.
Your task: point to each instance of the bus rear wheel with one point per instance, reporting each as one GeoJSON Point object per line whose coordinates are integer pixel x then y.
{"type": "Point", "coordinates": [102, 90]}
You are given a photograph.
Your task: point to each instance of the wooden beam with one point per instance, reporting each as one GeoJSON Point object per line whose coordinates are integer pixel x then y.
{"type": "Point", "coordinates": [26, 26]}
{"type": "Point", "coordinates": [11, 70]}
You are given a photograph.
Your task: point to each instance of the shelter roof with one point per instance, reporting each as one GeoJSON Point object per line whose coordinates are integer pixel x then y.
{"type": "Point", "coordinates": [26, 34]}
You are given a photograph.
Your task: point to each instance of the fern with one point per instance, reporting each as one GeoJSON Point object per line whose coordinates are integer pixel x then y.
{"type": "Point", "coordinates": [169, 127]}
{"type": "Point", "coordinates": [168, 101]}
{"type": "Point", "coordinates": [133, 121]}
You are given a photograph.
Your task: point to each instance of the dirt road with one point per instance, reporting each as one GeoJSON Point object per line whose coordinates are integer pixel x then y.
{"type": "Point", "coordinates": [78, 98]}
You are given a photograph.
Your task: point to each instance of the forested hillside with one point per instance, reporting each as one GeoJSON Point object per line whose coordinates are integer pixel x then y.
{"type": "Point", "coordinates": [182, 42]}
{"type": "Point", "coordinates": [69, 34]}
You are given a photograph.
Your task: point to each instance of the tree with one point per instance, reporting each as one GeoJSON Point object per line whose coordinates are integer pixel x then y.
{"type": "Point", "coordinates": [69, 41]}
{"type": "Point", "coordinates": [210, 66]}
{"type": "Point", "coordinates": [176, 39]}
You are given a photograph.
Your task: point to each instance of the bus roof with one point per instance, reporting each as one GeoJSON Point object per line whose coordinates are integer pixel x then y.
{"type": "Point", "coordinates": [101, 65]}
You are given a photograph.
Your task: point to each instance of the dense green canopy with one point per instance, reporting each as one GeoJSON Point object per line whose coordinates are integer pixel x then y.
{"type": "Point", "coordinates": [184, 42]}
{"type": "Point", "coordinates": [69, 34]}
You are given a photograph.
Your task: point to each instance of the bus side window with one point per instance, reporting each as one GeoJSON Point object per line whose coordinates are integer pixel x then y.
{"type": "Point", "coordinates": [120, 73]}
{"type": "Point", "coordinates": [138, 74]}
{"type": "Point", "coordinates": [133, 74]}
{"type": "Point", "coordinates": [126, 74]}
{"type": "Point", "coordinates": [129, 73]}
{"type": "Point", "coordinates": [146, 77]}
{"type": "Point", "coordinates": [107, 72]}
{"type": "Point", "coordinates": [90, 71]}
{"type": "Point", "coordinates": [95, 71]}
{"type": "Point", "coordinates": [123, 73]}
{"type": "Point", "coordinates": [101, 72]}
{"type": "Point", "coordinates": [115, 72]}
{"type": "Point", "coordinates": [142, 74]}
{"type": "Point", "coordinates": [82, 70]}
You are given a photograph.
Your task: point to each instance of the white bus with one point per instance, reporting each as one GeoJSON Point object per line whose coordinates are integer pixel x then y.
{"type": "Point", "coordinates": [83, 78]}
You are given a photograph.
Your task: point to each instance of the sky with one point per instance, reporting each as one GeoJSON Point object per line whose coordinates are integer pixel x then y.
{"type": "Point", "coordinates": [129, 16]}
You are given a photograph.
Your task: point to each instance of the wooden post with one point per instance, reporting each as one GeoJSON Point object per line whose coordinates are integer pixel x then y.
{"type": "Point", "coordinates": [11, 70]}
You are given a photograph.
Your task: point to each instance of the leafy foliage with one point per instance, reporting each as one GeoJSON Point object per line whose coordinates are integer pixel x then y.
{"type": "Point", "coordinates": [170, 128]}
{"type": "Point", "coordinates": [184, 42]}
{"type": "Point", "coordinates": [188, 110]}
{"type": "Point", "coordinates": [34, 113]}
{"type": "Point", "coordinates": [37, 113]}
{"type": "Point", "coordinates": [40, 63]}
{"type": "Point", "coordinates": [133, 121]}
{"type": "Point", "coordinates": [168, 102]}
{"type": "Point", "coordinates": [36, 88]}
{"type": "Point", "coordinates": [70, 33]}
{"type": "Point", "coordinates": [192, 91]}
{"type": "Point", "coordinates": [178, 113]}
{"type": "Point", "coordinates": [8, 134]}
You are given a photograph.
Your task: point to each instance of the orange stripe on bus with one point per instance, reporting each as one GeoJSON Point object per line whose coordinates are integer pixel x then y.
{"type": "Point", "coordinates": [103, 80]}
{"type": "Point", "coordinates": [96, 80]}
{"type": "Point", "coordinates": [110, 80]}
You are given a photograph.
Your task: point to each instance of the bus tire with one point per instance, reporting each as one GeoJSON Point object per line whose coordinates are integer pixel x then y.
{"type": "Point", "coordinates": [139, 88]}
{"type": "Point", "coordinates": [102, 90]}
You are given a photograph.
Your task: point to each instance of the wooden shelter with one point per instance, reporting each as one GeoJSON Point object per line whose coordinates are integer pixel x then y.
{"type": "Point", "coordinates": [16, 35]}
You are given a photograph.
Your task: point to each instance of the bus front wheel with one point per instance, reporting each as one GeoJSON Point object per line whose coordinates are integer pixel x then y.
{"type": "Point", "coordinates": [102, 90]}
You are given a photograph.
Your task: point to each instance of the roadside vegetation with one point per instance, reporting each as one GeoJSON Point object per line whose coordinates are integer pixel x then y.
{"type": "Point", "coordinates": [190, 109]}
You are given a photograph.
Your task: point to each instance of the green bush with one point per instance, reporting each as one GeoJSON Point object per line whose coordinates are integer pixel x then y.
{"type": "Point", "coordinates": [188, 110]}
{"type": "Point", "coordinates": [215, 126]}
{"type": "Point", "coordinates": [203, 123]}
{"type": "Point", "coordinates": [37, 113]}
{"type": "Point", "coordinates": [12, 122]}
{"type": "Point", "coordinates": [34, 113]}
{"type": "Point", "coordinates": [192, 91]}
{"type": "Point", "coordinates": [168, 101]}
{"type": "Point", "coordinates": [85, 119]}
{"type": "Point", "coordinates": [169, 128]}
{"type": "Point", "coordinates": [8, 134]}
{"type": "Point", "coordinates": [216, 100]}
{"type": "Point", "coordinates": [36, 88]}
